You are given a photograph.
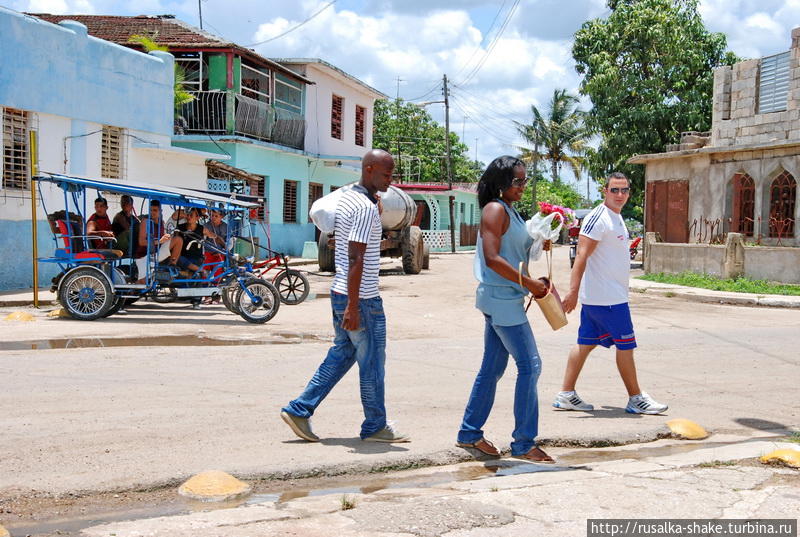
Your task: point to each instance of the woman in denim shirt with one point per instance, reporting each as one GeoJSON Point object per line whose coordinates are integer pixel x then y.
{"type": "Point", "coordinates": [503, 243]}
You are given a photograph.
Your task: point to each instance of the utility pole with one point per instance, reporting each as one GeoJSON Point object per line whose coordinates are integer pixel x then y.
{"type": "Point", "coordinates": [397, 127]}
{"type": "Point", "coordinates": [200, 11]}
{"type": "Point", "coordinates": [449, 164]}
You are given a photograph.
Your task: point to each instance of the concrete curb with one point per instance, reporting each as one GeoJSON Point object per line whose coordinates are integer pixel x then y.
{"type": "Point", "coordinates": [716, 297]}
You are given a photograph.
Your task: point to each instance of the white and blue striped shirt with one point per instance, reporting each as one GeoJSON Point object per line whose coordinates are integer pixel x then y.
{"type": "Point", "coordinates": [357, 220]}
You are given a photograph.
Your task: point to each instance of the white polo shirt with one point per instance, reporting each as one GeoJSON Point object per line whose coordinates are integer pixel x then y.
{"type": "Point", "coordinates": [606, 279]}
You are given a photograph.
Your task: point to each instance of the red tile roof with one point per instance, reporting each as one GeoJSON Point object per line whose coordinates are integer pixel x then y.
{"type": "Point", "coordinates": [164, 30]}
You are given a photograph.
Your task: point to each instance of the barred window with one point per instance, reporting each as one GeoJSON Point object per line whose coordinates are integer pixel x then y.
{"type": "Point", "coordinates": [289, 201]}
{"type": "Point", "coordinates": [361, 113]}
{"type": "Point", "coordinates": [314, 193]}
{"type": "Point", "coordinates": [257, 189]}
{"type": "Point", "coordinates": [111, 157]}
{"type": "Point", "coordinates": [773, 83]}
{"type": "Point", "coordinates": [744, 192]}
{"type": "Point", "coordinates": [783, 192]}
{"type": "Point", "coordinates": [15, 148]}
{"type": "Point", "coordinates": [256, 83]}
{"type": "Point", "coordinates": [337, 107]}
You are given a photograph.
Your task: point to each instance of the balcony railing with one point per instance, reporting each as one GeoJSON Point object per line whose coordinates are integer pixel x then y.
{"type": "Point", "coordinates": [219, 112]}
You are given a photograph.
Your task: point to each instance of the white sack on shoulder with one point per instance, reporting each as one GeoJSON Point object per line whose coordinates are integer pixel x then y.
{"type": "Point", "coordinates": [540, 229]}
{"type": "Point", "coordinates": [323, 211]}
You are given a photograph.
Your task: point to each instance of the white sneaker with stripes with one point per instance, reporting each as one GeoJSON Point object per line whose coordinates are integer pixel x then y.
{"type": "Point", "coordinates": [571, 401]}
{"type": "Point", "coordinates": [644, 404]}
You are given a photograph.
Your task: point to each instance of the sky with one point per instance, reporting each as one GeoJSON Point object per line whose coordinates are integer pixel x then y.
{"type": "Point", "coordinates": [501, 56]}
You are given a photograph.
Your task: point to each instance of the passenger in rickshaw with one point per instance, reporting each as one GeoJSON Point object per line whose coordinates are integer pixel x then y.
{"type": "Point", "coordinates": [99, 225]}
{"type": "Point", "coordinates": [126, 225]}
{"type": "Point", "coordinates": [158, 240]}
{"type": "Point", "coordinates": [216, 232]}
{"type": "Point", "coordinates": [178, 217]}
{"type": "Point", "coordinates": [189, 238]}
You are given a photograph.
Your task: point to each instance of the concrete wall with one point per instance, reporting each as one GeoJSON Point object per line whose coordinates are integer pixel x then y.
{"type": "Point", "coordinates": [677, 258]}
{"type": "Point", "coordinates": [735, 119]}
{"type": "Point", "coordinates": [318, 113]}
{"type": "Point", "coordinates": [773, 264]}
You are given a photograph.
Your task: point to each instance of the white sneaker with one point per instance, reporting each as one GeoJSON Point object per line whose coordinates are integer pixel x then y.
{"type": "Point", "coordinates": [571, 401]}
{"type": "Point", "coordinates": [644, 404]}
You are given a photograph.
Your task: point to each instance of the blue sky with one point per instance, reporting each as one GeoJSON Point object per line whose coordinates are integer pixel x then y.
{"type": "Point", "coordinates": [419, 40]}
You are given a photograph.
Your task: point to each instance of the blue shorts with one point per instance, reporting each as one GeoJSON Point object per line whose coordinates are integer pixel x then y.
{"type": "Point", "coordinates": [606, 326]}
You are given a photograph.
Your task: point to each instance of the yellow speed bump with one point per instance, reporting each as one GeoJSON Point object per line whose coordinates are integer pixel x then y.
{"type": "Point", "coordinates": [19, 316]}
{"type": "Point", "coordinates": [4, 532]}
{"type": "Point", "coordinates": [213, 486]}
{"type": "Point", "coordinates": [687, 429]}
{"type": "Point", "coordinates": [60, 312]}
{"type": "Point", "coordinates": [789, 457]}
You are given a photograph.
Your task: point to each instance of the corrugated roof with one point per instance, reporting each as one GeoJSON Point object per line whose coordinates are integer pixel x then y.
{"type": "Point", "coordinates": [305, 61]}
{"type": "Point", "coordinates": [163, 29]}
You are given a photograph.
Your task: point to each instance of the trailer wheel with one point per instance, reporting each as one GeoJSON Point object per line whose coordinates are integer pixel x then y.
{"type": "Point", "coordinates": [325, 254]}
{"type": "Point", "coordinates": [413, 247]}
{"type": "Point", "coordinates": [426, 257]}
{"type": "Point", "coordinates": [86, 294]}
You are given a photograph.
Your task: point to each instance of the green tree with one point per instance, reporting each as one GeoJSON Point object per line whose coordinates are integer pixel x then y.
{"type": "Point", "coordinates": [181, 95]}
{"type": "Point", "coordinates": [406, 129]}
{"type": "Point", "coordinates": [648, 70]}
{"type": "Point", "coordinates": [558, 137]}
{"type": "Point", "coordinates": [558, 193]}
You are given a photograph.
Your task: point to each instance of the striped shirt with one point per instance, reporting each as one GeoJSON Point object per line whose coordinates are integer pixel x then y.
{"type": "Point", "coordinates": [357, 220]}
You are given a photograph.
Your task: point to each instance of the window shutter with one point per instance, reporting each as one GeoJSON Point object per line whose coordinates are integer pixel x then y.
{"type": "Point", "coordinates": [289, 201]}
{"type": "Point", "coordinates": [337, 105]}
{"type": "Point", "coordinates": [15, 148]}
{"type": "Point", "coordinates": [773, 85]}
{"type": "Point", "coordinates": [360, 114]}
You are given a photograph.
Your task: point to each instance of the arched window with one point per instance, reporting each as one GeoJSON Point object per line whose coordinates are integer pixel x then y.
{"type": "Point", "coordinates": [782, 195]}
{"type": "Point", "coordinates": [744, 193]}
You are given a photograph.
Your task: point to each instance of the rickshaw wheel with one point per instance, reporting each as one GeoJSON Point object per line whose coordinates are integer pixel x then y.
{"type": "Point", "coordinates": [164, 295]}
{"type": "Point", "coordinates": [229, 297]}
{"type": "Point", "coordinates": [292, 286]}
{"type": "Point", "coordinates": [264, 303]}
{"type": "Point", "coordinates": [86, 294]}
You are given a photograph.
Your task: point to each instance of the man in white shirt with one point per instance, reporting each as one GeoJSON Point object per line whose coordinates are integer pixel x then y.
{"type": "Point", "coordinates": [600, 279]}
{"type": "Point", "coordinates": [358, 319]}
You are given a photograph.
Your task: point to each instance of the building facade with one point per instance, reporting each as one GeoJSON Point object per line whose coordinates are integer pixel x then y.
{"type": "Point", "coordinates": [95, 109]}
{"type": "Point", "coordinates": [742, 176]}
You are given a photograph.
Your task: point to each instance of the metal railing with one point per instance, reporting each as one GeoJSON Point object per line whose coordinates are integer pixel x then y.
{"type": "Point", "coordinates": [715, 231]}
{"type": "Point", "coordinates": [220, 112]}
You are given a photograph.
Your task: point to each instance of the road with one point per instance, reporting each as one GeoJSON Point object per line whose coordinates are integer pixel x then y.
{"type": "Point", "coordinates": [82, 419]}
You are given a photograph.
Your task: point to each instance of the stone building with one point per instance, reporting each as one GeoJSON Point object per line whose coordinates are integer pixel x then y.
{"type": "Point", "coordinates": [742, 175]}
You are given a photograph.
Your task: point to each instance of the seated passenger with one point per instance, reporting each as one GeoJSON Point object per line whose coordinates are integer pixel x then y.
{"type": "Point", "coordinates": [126, 225]}
{"type": "Point", "coordinates": [190, 236]}
{"type": "Point", "coordinates": [151, 233]}
{"type": "Point", "coordinates": [99, 225]}
{"type": "Point", "coordinates": [178, 217]}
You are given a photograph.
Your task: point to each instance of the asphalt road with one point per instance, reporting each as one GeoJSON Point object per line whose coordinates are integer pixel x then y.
{"type": "Point", "coordinates": [120, 417]}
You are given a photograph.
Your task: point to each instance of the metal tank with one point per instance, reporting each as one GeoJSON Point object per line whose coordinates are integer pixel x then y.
{"type": "Point", "coordinates": [399, 210]}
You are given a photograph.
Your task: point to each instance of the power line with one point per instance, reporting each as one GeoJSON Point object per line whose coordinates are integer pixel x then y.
{"type": "Point", "coordinates": [292, 29]}
{"type": "Point", "coordinates": [483, 124]}
{"type": "Point", "coordinates": [494, 109]}
{"type": "Point", "coordinates": [489, 31]}
{"type": "Point", "coordinates": [494, 42]}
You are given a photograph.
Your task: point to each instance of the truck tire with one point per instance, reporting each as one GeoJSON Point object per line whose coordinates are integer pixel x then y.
{"type": "Point", "coordinates": [413, 247]}
{"type": "Point", "coordinates": [325, 254]}
{"type": "Point", "coordinates": [426, 257]}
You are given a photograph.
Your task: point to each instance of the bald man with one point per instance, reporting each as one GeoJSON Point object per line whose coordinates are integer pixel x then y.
{"type": "Point", "coordinates": [358, 318]}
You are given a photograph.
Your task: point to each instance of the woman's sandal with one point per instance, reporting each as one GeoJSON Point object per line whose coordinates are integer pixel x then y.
{"type": "Point", "coordinates": [482, 445]}
{"type": "Point", "coordinates": [536, 455]}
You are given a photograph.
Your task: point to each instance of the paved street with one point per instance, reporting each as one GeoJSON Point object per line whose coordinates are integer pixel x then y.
{"type": "Point", "coordinates": [80, 419]}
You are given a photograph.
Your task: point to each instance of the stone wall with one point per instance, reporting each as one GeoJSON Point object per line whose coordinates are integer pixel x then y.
{"type": "Point", "coordinates": [735, 117]}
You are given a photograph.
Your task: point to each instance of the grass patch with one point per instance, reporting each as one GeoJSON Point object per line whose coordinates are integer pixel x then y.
{"type": "Point", "coordinates": [737, 285]}
{"type": "Point", "coordinates": [716, 464]}
{"type": "Point", "coordinates": [348, 503]}
{"type": "Point", "coordinates": [794, 437]}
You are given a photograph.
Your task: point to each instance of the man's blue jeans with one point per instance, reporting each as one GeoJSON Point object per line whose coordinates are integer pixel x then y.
{"type": "Point", "coordinates": [499, 341]}
{"type": "Point", "coordinates": [367, 346]}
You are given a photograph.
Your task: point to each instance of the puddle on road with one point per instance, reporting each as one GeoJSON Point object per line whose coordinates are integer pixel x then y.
{"type": "Point", "coordinates": [280, 338]}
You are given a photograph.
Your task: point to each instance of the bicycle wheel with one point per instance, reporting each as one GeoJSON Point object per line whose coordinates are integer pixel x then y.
{"type": "Point", "coordinates": [292, 286]}
{"type": "Point", "coordinates": [258, 301]}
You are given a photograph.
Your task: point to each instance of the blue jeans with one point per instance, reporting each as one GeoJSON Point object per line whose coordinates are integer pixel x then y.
{"type": "Point", "coordinates": [367, 346]}
{"type": "Point", "coordinates": [499, 341]}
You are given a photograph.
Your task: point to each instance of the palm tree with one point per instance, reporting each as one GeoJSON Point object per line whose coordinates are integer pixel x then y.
{"type": "Point", "coordinates": [559, 138]}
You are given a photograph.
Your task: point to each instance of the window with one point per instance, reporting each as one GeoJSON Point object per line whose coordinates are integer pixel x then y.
{"type": "Point", "coordinates": [193, 69]}
{"type": "Point", "coordinates": [783, 192]}
{"type": "Point", "coordinates": [111, 156]}
{"type": "Point", "coordinates": [289, 202]}
{"type": "Point", "coordinates": [744, 193]}
{"type": "Point", "coordinates": [773, 84]}
{"type": "Point", "coordinates": [361, 113]}
{"type": "Point", "coordinates": [255, 83]}
{"type": "Point", "coordinates": [288, 94]}
{"type": "Point", "coordinates": [257, 189]}
{"type": "Point", "coordinates": [337, 107]}
{"type": "Point", "coordinates": [15, 148]}
{"type": "Point", "coordinates": [314, 193]}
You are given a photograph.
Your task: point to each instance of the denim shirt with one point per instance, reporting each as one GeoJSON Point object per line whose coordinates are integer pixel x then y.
{"type": "Point", "coordinates": [497, 296]}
